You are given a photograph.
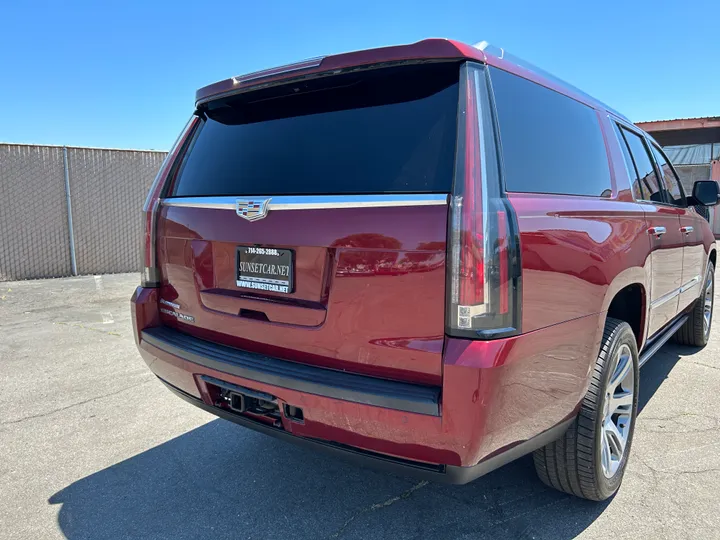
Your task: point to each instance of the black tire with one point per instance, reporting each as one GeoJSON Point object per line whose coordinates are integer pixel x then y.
{"type": "Point", "coordinates": [573, 463]}
{"type": "Point", "coordinates": [693, 332]}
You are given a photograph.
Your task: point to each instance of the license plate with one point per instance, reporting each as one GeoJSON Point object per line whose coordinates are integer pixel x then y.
{"type": "Point", "coordinates": [265, 269]}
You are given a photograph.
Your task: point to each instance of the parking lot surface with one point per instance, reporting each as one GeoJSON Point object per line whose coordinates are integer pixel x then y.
{"type": "Point", "coordinates": [93, 446]}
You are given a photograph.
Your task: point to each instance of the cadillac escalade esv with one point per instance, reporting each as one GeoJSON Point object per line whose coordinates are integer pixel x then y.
{"type": "Point", "coordinates": [432, 258]}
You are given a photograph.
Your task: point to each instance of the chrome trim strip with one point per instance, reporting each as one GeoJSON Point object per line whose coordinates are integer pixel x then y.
{"type": "Point", "coordinates": [312, 202]}
{"type": "Point", "coordinates": [690, 284]}
{"type": "Point", "coordinates": [664, 299]}
{"type": "Point", "coordinates": [672, 294]}
{"type": "Point", "coordinates": [211, 203]}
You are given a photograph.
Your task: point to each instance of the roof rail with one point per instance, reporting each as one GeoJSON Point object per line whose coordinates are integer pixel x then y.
{"type": "Point", "coordinates": [502, 54]}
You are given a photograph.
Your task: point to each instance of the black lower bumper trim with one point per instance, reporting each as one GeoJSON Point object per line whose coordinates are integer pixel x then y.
{"type": "Point", "coordinates": [332, 383]}
{"type": "Point", "coordinates": [447, 474]}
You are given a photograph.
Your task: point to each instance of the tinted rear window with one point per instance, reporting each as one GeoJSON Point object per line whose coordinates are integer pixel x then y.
{"type": "Point", "coordinates": [550, 142]}
{"type": "Point", "coordinates": [382, 131]}
{"type": "Point", "coordinates": [629, 164]}
{"type": "Point", "coordinates": [673, 192]}
{"type": "Point", "coordinates": [646, 176]}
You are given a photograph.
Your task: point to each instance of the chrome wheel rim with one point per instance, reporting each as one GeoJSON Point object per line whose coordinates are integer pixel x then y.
{"type": "Point", "coordinates": [617, 411]}
{"type": "Point", "coordinates": [708, 304]}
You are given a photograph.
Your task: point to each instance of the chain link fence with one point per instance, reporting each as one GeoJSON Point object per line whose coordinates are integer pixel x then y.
{"type": "Point", "coordinates": [103, 191]}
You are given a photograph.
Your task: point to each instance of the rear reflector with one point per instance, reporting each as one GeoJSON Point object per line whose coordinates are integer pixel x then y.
{"type": "Point", "coordinates": [484, 265]}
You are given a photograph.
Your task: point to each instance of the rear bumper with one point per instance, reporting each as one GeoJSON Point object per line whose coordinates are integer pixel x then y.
{"type": "Point", "coordinates": [499, 399]}
{"type": "Point", "coordinates": [447, 474]}
{"type": "Point", "coordinates": [303, 378]}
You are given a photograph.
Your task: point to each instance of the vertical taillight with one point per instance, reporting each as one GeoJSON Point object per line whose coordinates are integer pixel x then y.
{"type": "Point", "coordinates": [484, 259]}
{"type": "Point", "coordinates": [151, 273]}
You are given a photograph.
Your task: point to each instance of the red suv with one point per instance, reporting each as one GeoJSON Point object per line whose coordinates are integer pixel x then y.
{"type": "Point", "coordinates": [432, 258]}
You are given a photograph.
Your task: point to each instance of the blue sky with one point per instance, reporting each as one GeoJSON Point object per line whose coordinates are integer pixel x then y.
{"type": "Point", "coordinates": [124, 74]}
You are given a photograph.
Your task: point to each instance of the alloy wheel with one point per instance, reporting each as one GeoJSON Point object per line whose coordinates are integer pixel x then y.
{"type": "Point", "coordinates": [617, 412]}
{"type": "Point", "coordinates": [708, 303]}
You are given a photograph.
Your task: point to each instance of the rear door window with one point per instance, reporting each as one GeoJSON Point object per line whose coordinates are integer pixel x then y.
{"type": "Point", "coordinates": [550, 142]}
{"type": "Point", "coordinates": [645, 176]}
{"type": "Point", "coordinates": [388, 130]}
{"type": "Point", "coordinates": [629, 165]}
{"type": "Point", "coordinates": [674, 192]}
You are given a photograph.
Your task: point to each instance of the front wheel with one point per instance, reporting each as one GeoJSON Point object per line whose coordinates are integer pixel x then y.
{"type": "Point", "coordinates": [589, 460]}
{"type": "Point", "coordinates": [696, 330]}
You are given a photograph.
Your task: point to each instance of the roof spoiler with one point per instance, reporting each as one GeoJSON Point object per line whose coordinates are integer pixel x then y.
{"type": "Point", "coordinates": [427, 49]}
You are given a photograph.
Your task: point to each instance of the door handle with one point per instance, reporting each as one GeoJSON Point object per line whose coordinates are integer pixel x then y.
{"type": "Point", "coordinates": [657, 231]}
{"type": "Point", "coordinates": [687, 230]}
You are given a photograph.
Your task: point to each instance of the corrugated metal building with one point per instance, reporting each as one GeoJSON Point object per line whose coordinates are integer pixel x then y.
{"type": "Point", "coordinates": [693, 145]}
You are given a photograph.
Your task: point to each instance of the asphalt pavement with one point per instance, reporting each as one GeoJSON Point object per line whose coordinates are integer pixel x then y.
{"type": "Point", "coordinates": [93, 446]}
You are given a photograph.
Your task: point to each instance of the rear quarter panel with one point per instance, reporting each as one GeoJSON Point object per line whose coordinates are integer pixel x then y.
{"type": "Point", "coordinates": [578, 252]}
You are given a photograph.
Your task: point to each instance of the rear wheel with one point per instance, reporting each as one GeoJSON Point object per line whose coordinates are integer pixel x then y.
{"type": "Point", "coordinates": [589, 460]}
{"type": "Point", "coordinates": [696, 330]}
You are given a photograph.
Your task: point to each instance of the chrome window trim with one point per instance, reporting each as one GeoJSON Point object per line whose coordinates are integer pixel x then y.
{"type": "Point", "coordinates": [632, 128]}
{"type": "Point", "coordinates": [312, 202]}
{"type": "Point", "coordinates": [661, 176]}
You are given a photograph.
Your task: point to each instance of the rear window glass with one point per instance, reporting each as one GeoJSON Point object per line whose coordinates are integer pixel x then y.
{"type": "Point", "coordinates": [389, 130]}
{"type": "Point", "coordinates": [646, 176]}
{"type": "Point", "coordinates": [629, 164]}
{"type": "Point", "coordinates": [673, 192]}
{"type": "Point", "coordinates": [550, 142]}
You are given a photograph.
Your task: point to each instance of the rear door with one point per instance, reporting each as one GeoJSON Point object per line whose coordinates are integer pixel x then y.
{"type": "Point", "coordinates": [690, 229]}
{"type": "Point", "coordinates": [308, 222]}
{"type": "Point", "coordinates": [666, 240]}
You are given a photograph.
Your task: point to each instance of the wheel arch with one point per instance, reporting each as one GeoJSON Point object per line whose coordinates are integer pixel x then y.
{"type": "Point", "coordinates": [627, 299]}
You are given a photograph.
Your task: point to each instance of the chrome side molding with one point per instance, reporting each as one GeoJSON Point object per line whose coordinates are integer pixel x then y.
{"type": "Point", "coordinates": [690, 284]}
{"type": "Point", "coordinates": [665, 298]}
{"type": "Point", "coordinates": [675, 292]}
